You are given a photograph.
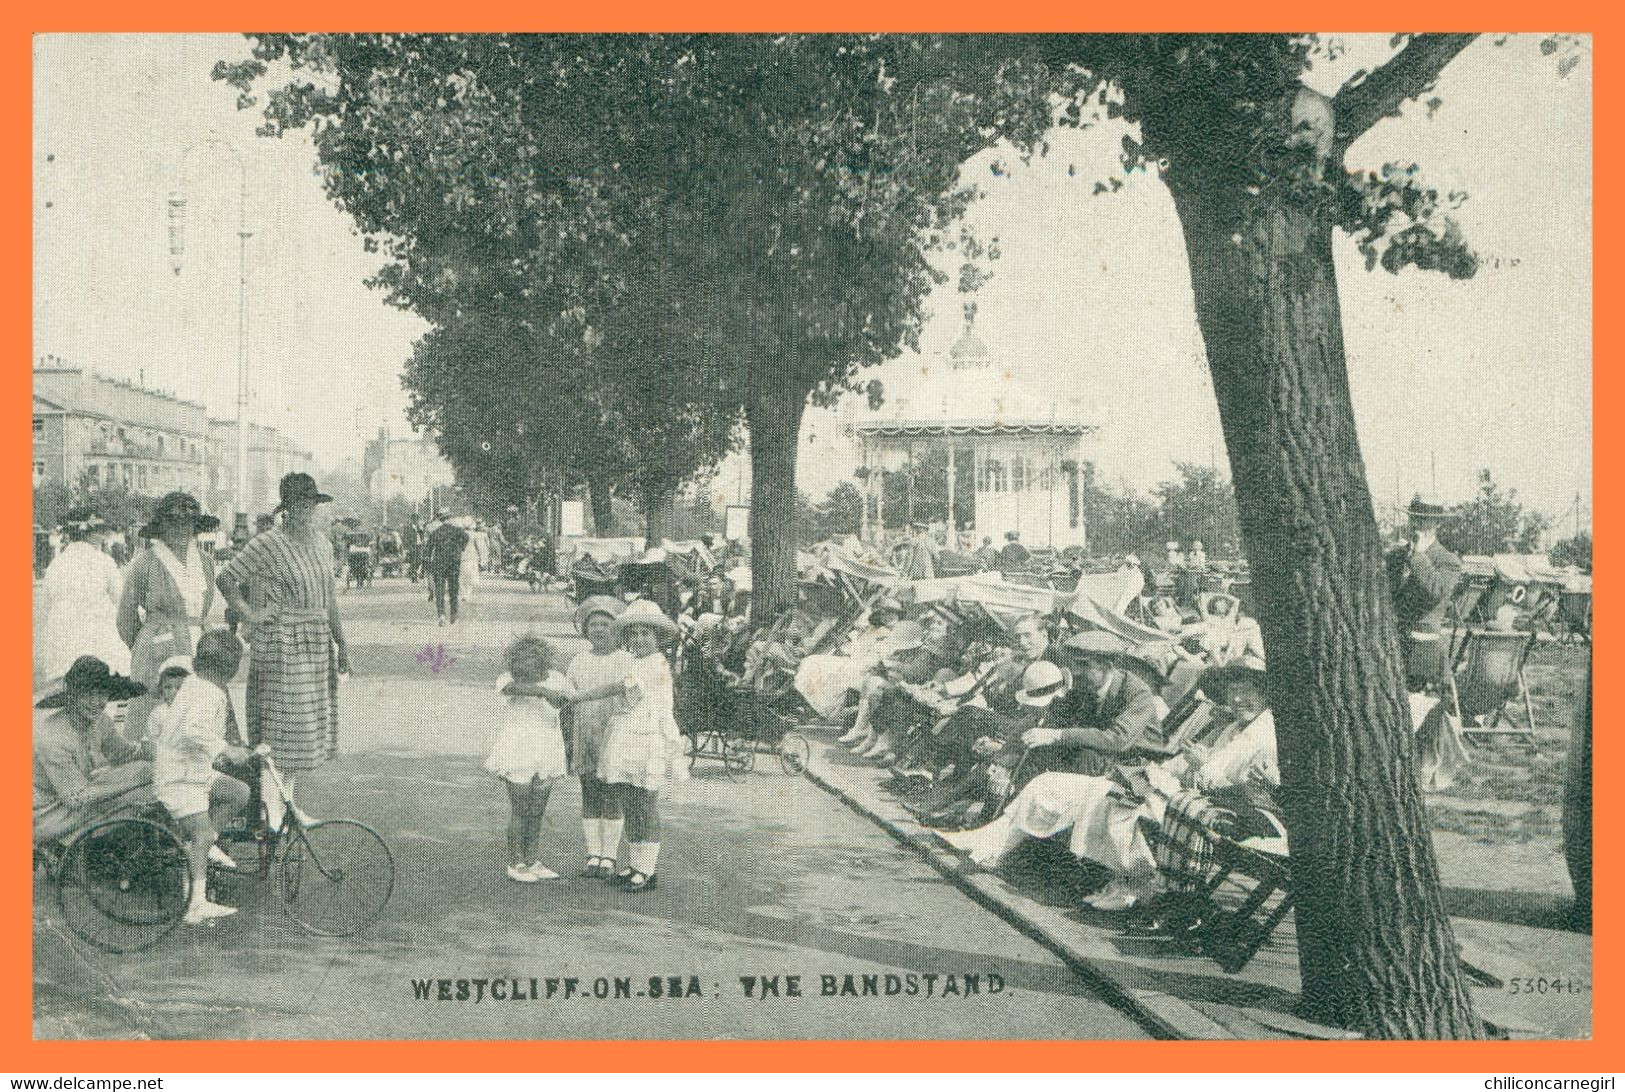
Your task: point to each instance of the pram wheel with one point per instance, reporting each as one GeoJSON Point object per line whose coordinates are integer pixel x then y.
{"type": "Point", "coordinates": [738, 757]}
{"type": "Point", "coordinates": [794, 753]}
{"type": "Point", "coordinates": [124, 884]}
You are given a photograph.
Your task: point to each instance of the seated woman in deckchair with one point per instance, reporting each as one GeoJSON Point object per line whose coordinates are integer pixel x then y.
{"type": "Point", "coordinates": [1104, 813]}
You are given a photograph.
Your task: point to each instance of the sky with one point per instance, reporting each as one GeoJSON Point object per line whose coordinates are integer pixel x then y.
{"type": "Point", "coordinates": [1447, 376]}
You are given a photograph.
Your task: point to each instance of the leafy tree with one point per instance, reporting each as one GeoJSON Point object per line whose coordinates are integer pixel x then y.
{"type": "Point", "coordinates": [51, 502]}
{"type": "Point", "coordinates": [1575, 550]}
{"type": "Point", "coordinates": [839, 513]}
{"type": "Point", "coordinates": [489, 170]}
{"type": "Point", "coordinates": [1197, 505]}
{"type": "Point", "coordinates": [1255, 161]}
{"type": "Point", "coordinates": [1493, 522]}
{"type": "Point", "coordinates": [1118, 521]}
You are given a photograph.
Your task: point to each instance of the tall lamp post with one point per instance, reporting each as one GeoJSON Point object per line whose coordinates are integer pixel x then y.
{"type": "Point", "coordinates": [177, 248]}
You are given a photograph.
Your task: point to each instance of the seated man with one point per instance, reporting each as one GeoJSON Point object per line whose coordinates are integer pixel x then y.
{"type": "Point", "coordinates": [1108, 711]}
{"type": "Point", "coordinates": [1104, 813]}
{"type": "Point", "coordinates": [83, 770]}
{"type": "Point", "coordinates": [191, 739]}
{"type": "Point", "coordinates": [978, 782]}
{"type": "Point", "coordinates": [988, 710]}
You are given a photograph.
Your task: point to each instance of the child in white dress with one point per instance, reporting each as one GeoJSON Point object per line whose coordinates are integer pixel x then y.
{"type": "Point", "coordinates": [643, 751]}
{"type": "Point", "coordinates": [601, 668]}
{"type": "Point", "coordinates": [529, 751]}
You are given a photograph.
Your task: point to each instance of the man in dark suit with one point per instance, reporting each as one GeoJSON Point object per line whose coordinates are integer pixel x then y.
{"type": "Point", "coordinates": [1107, 712]}
{"type": "Point", "coordinates": [1422, 578]}
{"type": "Point", "coordinates": [443, 558]}
{"type": "Point", "coordinates": [1014, 557]}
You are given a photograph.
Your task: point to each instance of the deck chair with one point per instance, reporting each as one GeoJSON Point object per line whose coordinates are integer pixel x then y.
{"type": "Point", "coordinates": [1574, 615]}
{"type": "Point", "coordinates": [1487, 674]}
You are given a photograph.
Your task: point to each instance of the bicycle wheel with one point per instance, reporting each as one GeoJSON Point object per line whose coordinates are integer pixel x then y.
{"type": "Point", "coordinates": [738, 757]}
{"type": "Point", "coordinates": [124, 884]}
{"type": "Point", "coordinates": [794, 753]}
{"type": "Point", "coordinates": [336, 877]}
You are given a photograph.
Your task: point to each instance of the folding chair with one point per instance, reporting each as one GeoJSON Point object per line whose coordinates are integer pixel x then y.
{"type": "Point", "coordinates": [1574, 615]}
{"type": "Point", "coordinates": [1487, 674]}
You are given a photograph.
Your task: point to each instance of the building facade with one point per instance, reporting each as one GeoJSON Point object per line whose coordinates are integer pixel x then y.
{"type": "Point", "coordinates": [270, 455]}
{"type": "Point", "coordinates": [92, 431]}
{"type": "Point", "coordinates": [1026, 449]}
{"type": "Point", "coordinates": [405, 466]}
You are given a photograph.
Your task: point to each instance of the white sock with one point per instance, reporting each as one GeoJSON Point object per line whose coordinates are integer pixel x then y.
{"type": "Point", "coordinates": [610, 837]}
{"type": "Point", "coordinates": [642, 856]}
{"type": "Point", "coordinates": [591, 830]}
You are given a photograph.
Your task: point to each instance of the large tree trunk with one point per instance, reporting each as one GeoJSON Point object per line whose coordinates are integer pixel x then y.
{"type": "Point", "coordinates": [774, 418]}
{"type": "Point", "coordinates": [599, 497]}
{"type": "Point", "coordinates": [1375, 945]}
{"type": "Point", "coordinates": [659, 510]}
{"type": "Point", "coordinates": [1577, 815]}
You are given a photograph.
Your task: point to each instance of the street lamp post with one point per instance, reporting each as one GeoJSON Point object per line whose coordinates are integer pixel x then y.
{"type": "Point", "coordinates": [177, 246]}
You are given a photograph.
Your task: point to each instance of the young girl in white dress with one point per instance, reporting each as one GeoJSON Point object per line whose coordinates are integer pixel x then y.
{"type": "Point", "coordinates": [603, 667]}
{"type": "Point", "coordinates": [529, 751]}
{"type": "Point", "coordinates": [643, 752]}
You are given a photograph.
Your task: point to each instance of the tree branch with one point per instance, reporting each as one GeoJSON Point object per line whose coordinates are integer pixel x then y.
{"type": "Point", "coordinates": [1359, 106]}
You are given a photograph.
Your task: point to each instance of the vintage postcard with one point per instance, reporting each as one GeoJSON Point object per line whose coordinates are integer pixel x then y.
{"type": "Point", "coordinates": [811, 537]}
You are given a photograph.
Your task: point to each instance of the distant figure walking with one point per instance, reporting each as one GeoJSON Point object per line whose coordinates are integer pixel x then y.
{"type": "Point", "coordinates": [443, 560]}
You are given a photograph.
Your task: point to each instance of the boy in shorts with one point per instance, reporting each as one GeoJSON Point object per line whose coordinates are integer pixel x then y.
{"type": "Point", "coordinates": [191, 739]}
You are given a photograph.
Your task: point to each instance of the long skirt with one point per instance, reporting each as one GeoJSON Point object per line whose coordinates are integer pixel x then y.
{"type": "Point", "coordinates": [1105, 828]}
{"type": "Point", "coordinates": [293, 698]}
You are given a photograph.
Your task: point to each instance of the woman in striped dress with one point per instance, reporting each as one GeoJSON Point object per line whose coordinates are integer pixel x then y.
{"type": "Point", "coordinates": [294, 633]}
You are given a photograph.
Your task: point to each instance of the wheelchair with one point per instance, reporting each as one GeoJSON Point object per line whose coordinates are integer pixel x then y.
{"type": "Point", "coordinates": [125, 882]}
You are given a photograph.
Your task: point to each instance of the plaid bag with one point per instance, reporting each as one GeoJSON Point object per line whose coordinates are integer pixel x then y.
{"type": "Point", "coordinates": [1183, 848]}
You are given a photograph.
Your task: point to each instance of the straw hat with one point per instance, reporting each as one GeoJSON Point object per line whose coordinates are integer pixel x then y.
{"type": "Point", "coordinates": [1041, 684]}
{"type": "Point", "coordinates": [90, 673]}
{"type": "Point", "coordinates": [597, 604]}
{"type": "Point", "coordinates": [644, 613]}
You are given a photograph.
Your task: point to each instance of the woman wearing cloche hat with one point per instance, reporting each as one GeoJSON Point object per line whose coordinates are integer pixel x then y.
{"type": "Point", "coordinates": [294, 631]}
{"type": "Point", "coordinates": [168, 594]}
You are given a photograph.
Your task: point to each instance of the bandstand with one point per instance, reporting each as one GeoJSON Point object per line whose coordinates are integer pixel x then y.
{"type": "Point", "coordinates": [1026, 449]}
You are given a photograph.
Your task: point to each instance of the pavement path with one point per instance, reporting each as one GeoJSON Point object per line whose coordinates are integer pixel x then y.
{"type": "Point", "coordinates": [760, 878]}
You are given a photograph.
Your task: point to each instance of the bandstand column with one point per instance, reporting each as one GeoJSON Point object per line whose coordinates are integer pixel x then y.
{"type": "Point", "coordinates": [953, 527]}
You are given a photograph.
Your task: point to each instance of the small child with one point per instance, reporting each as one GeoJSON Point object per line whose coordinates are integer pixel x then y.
{"type": "Point", "coordinates": [643, 747]}
{"type": "Point", "coordinates": [529, 752]}
{"type": "Point", "coordinates": [171, 674]}
{"type": "Point", "coordinates": [189, 739]}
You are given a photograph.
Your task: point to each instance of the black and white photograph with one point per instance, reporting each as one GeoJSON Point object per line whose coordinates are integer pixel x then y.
{"type": "Point", "coordinates": [811, 536]}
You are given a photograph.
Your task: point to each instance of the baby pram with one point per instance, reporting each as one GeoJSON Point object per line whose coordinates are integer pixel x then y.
{"type": "Point", "coordinates": [730, 719]}
{"type": "Point", "coordinates": [358, 559]}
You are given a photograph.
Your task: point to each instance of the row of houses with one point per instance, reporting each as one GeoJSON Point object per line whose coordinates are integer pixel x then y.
{"type": "Point", "coordinates": [92, 431]}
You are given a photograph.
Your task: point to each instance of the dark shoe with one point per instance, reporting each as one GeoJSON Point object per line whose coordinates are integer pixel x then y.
{"type": "Point", "coordinates": [620, 878]}
{"type": "Point", "coordinates": [638, 882]}
{"type": "Point", "coordinates": [606, 869]}
{"type": "Point", "coordinates": [590, 869]}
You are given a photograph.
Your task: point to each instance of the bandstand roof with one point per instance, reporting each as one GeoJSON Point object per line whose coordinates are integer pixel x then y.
{"type": "Point", "coordinates": [968, 394]}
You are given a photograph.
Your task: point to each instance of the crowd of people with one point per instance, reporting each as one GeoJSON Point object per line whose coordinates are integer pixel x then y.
{"type": "Point", "coordinates": [993, 734]}
{"type": "Point", "coordinates": [137, 662]}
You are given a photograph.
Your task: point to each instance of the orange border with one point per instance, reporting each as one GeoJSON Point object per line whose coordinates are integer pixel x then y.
{"type": "Point", "coordinates": [1602, 1054]}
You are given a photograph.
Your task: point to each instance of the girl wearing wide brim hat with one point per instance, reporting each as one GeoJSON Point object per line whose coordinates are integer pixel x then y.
{"type": "Point", "coordinates": [599, 675]}
{"type": "Point", "coordinates": [643, 748]}
{"type": "Point", "coordinates": [82, 586]}
{"type": "Point", "coordinates": [168, 595]}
